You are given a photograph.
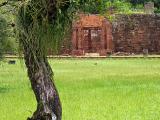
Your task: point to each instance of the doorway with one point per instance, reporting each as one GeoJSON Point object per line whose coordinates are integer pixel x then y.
{"type": "Point", "coordinates": [92, 40]}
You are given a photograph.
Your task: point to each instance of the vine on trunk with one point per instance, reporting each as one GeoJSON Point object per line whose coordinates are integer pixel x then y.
{"type": "Point", "coordinates": [42, 24]}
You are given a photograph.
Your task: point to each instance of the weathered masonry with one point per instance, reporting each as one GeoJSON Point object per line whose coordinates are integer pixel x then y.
{"type": "Point", "coordinates": [136, 33]}
{"type": "Point", "coordinates": [91, 34]}
{"type": "Point", "coordinates": [131, 34]}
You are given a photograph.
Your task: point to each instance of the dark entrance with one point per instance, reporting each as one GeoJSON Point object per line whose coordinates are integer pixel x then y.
{"type": "Point", "coordinates": [92, 40]}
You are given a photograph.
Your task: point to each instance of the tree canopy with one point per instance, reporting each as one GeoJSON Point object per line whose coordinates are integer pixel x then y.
{"type": "Point", "coordinates": [120, 6]}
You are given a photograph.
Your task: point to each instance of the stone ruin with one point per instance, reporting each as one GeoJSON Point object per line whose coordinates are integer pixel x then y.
{"type": "Point", "coordinates": [137, 33]}
{"type": "Point", "coordinates": [129, 34]}
{"type": "Point", "coordinates": [149, 8]}
{"type": "Point", "coordinates": [91, 34]}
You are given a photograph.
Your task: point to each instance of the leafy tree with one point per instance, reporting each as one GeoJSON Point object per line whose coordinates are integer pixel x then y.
{"type": "Point", "coordinates": [118, 6]}
{"type": "Point", "coordinates": [156, 3]}
{"type": "Point", "coordinates": [115, 6]}
{"type": "Point", "coordinates": [93, 7]}
{"type": "Point", "coordinates": [41, 25]}
{"type": "Point", "coordinates": [124, 6]}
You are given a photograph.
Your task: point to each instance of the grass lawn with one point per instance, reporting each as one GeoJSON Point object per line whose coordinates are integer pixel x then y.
{"type": "Point", "coordinates": [89, 89]}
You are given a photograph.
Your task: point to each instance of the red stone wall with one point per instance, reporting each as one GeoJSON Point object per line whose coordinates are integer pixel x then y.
{"type": "Point", "coordinates": [127, 33]}
{"type": "Point", "coordinates": [89, 20]}
{"type": "Point", "coordinates": [91, 34]}
{"type": "Point", "coordinates": [134, 33]}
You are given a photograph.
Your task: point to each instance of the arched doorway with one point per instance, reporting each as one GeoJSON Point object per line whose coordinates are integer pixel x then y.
{"type": "Point", "coordinates": [92, 34]}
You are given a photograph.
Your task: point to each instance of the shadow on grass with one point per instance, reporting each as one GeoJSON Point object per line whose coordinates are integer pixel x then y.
{"type": "Point", "coordinates": [4, 90]}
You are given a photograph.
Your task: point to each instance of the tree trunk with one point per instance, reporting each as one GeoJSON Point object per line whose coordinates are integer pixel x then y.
{"type": "Point", "coordinates": [40, 75]}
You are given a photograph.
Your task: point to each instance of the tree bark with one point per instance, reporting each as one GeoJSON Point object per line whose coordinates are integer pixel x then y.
{"type": "Point", "coordinates": [40, 75]}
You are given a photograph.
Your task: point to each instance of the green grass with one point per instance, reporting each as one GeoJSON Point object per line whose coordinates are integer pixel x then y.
{"type": "Point", "coordinates": [89, 89]}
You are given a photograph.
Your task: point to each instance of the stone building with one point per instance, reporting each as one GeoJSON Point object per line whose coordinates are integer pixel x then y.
{"type": "Point", "coordinates": [132, 34]}
{"type": "Point", "coordinates": [136, 33]}
{"type": "Point", "coordinates": [91, 34]}
{"type": "Point", "coordinates": [149, 8]}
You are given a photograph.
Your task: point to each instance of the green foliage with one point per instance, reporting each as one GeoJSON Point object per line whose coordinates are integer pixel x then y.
{"type": "Point", "coordinates": [121, 6]}
{"type": "Point", "coordinates": [157, 10]}
{"type": "Point", "coordinates": [3, 35]}
{"type": "Point", "coordinates": [8, 13]}
{"type": "Point", "coordinates": [92, 6]}
{"type": "Point", "coordinates": [142, 2]}
{"type": "Point", "coordinates": [118, 6]}
{"type": "Point", "coordinates": [108, 7]}
{"type": "Point", "coordinates": [7, 42]}
{"type": "Point", "coordinates": [43, 26]}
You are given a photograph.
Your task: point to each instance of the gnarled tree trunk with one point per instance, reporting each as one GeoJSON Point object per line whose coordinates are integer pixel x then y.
{"type": "Point", "coordinates": [38, 19]}
{"type": "Point", "coordinates": [40, 74]}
